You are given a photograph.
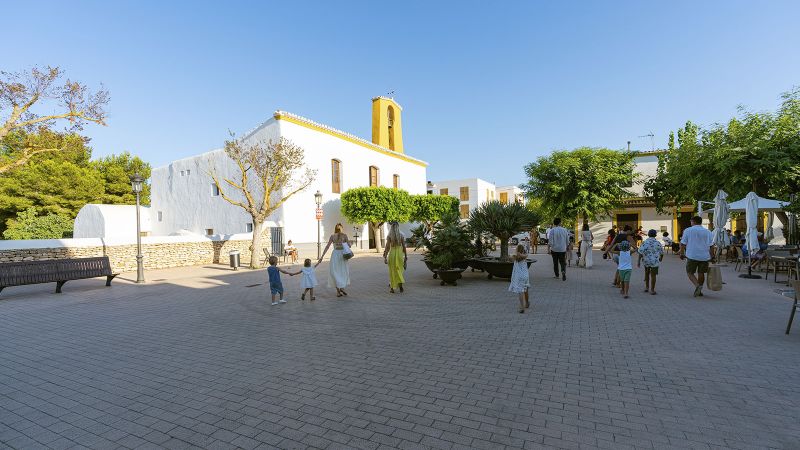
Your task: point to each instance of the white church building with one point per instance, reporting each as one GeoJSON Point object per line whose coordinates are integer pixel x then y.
{"type": "Point", "coordinates": [185, 199]}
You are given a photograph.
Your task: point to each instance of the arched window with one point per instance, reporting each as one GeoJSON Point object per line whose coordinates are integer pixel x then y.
{"type": "Point", "coordinates": [390, 122]}
{"type": "Point", "coordinates": [336, 176]}
{"type": "Point", "coordinates": [374, 174]}
{"type": "Point", "coordinates": [396, 181]}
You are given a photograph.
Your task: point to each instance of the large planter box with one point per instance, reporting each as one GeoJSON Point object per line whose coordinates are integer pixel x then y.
{"type": "Point", "coordinates": [499, 269]}
{"type": "Point", "coordinates": [449, 276]}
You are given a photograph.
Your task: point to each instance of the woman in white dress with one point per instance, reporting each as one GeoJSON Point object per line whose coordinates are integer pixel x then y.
{"type": "Point", "coordinates": [520, 278]}
{"type": "Point", "coordinates": [586, 246]}
{"type": "Point", "coordinates": [339, 271]}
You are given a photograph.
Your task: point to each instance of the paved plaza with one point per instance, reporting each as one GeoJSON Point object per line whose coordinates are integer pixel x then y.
{"type": "Point", "coordinates": [198, 358]}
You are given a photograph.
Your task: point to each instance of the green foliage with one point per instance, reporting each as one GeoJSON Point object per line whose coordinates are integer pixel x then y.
{"type": "Point", "coordinates": [376, 204]}
{"type": "Point", "coordinates": [757, 152]}
{"type": "Point", "coordinates": [429, 209]}
{"type": "Point", "coordinates": [450, 242]}
{"type": "Point", "coordinates": [502, 221]}
{"type": "Point", "coordinates": [583, 182]}
{"type": "Point", "coordinates": [29, 225]}
{"type": "Point", "coordinates": [63, 182]}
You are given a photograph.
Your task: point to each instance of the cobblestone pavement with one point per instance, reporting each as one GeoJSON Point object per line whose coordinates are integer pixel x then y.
{"type": "Point", "coordinates": [198, 358]}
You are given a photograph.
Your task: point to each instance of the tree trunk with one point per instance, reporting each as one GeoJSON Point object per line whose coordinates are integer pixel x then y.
{"type": "Point", "coordinates": [504, 249]}
{"type": "Point", "coordinates": [255, 246]}
{"type": "Point", "coordinates": [377, 231]}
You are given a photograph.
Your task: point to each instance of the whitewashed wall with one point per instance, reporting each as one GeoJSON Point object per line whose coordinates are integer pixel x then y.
{"type": "Point", "coordinates": [186, 202]}
{"type": "Point", "coordinates": [480, 191]}
{"type": "Point", "coordinates": [110, 221]}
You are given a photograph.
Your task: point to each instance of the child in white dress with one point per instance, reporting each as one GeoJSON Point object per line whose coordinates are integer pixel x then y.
{"type": "Point", "coordinates": [309, 279]}
{"type": "Point", "coordinates": [520, 278]}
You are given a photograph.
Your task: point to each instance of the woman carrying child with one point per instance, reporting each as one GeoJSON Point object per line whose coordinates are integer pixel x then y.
{"type": "Point", "coordinates": [520, 278]}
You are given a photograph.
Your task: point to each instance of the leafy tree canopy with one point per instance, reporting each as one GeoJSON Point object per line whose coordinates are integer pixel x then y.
{"type": "Point", "coordinates": [376, 205]}
{"type": "Point", "coordinates": [757, 152]}
{"type": "Point", "coordinates": [429, 209]}
{"type": "Point", "coordinates": [29, 225]}
{"type": "Point", "coordinates": [63, 182]}
{"type": "Point", "coordinates": [584, 182]}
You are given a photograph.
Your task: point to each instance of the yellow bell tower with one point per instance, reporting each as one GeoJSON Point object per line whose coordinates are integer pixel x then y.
{"type": "Point", "coordinates": [387, 130]}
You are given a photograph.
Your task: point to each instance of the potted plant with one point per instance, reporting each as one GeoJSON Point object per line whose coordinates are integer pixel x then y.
{"type": "Point", "coordinates": [448, 249]}
{"type": "Point", "coordinates": [502, 221]}
{"type": "Point", "coordinates": [421, 240]}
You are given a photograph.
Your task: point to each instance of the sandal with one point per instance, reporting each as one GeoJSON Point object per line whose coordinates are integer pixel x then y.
{"type": "Point", "coordinates": [522, 311]}
{"type": "Point", "coordinates": [527, 304]}
{"type": "Point", "coordinates": [313, 298]}
{"type": "Point", "coordinates": [342, 291]}
{"type": "Point", "coordinates": [338, 293]}
{"type": "Point", "coordinates": [303, 296]}
{"type": "Point", "coordinates": [391, 290]}
{"type": "Point", "coordinates": [401, 287]}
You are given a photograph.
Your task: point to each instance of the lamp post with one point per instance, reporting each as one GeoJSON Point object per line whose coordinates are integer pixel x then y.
{"type": "Point", "coordinates": [318, 200]}
{"type": "Point", "coordinates": [355, 234]}
{"type": "Point", "coordinates": [136, 183]}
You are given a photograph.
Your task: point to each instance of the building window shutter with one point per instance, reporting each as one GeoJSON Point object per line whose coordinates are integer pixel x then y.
{"type": "Point", "coordinates": [336, 176]}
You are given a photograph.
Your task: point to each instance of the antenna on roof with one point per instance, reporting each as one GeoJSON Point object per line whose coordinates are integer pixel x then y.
{"type": "Point", "coordinates": [652, 140]}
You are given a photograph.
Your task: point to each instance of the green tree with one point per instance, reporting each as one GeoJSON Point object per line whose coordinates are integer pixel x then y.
{"type": "Point", "coordinates": [376, 205]}
{"type": "Point", "coordinates": [585, 182]}
{"type": "Point", "coordinates": [502, 220]}
{"type": "Point", "coordinates": [29, 225]}
{"type": "Point", "coordinates": [757, 152]}
{"type": "Point", "coordinates": [269, 174]}
{"type": "Point", "coordinates": [116, 171]}
{"type": "Point", "coordinates": [63, 182]}
{"type": "Point", "coordinates": [20, 96]}
{"type": "Point", "coordinates": [429, 209]}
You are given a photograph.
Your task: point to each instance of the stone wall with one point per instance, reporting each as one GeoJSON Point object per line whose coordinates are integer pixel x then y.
{"type": "Point", "coordinates": [159, 252]}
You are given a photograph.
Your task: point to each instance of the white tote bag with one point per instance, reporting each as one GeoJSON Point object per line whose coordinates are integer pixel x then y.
{"type": "Point", "coordinates": [346, 252]}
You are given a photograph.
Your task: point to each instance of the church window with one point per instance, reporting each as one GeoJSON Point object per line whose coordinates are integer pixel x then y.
{"type": "Point", "coordinates": [464, 193]}
{"type": "Point", "coordinates": [336, 176]}
{"type": "Point", "coordinates": [390, 125]}
{"type": "Point", "coordinates": [160, 216]}
{"type": "Point", "coordinates": [396, 181]}
{"type": "Point", "coordinates": [444, 191]}
{"type": "Point", "coordinates": [374, 174]}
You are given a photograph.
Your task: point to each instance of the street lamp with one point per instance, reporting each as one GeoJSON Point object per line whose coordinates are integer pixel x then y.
{"type": "Point", "coordinates": [355, 234]}
{"type": "Point", "coordinates": [137, 183]}
{"type": "Point", "coordinates": [318, 200]}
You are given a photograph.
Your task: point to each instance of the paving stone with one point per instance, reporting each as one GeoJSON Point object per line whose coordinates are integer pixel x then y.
{"type": "Point", "coordinates": [201, 360]}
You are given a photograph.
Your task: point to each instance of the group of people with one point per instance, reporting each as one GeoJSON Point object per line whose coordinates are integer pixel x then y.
{"type": "Point", "coordinates": [394, 256]}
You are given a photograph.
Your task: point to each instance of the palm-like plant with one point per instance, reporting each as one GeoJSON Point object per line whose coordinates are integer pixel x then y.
{"type": "Point", "coordinates": [450, 242]}
{"type": "Point", "coordinates": [502, 221]}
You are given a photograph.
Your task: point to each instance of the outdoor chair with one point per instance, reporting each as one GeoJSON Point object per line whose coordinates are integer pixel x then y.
{"type": "Point", "coordinates": [794, 269]}
{"type": "Point", "coordinates": [739, 258]}
{"type": "Point", "coordinates": [796, 287]}
{"type": "Point", "coordinates": [778, 264]}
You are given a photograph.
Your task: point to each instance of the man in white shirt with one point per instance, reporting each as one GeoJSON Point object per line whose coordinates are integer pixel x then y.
{"type": "Point", "coordinates": [557, 240]}
{"type": "Point", "coordinates": [697, 246]}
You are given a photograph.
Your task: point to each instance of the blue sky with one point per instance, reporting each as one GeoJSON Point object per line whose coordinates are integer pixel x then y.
{"type": "Point", "coordinates": [486, 86]}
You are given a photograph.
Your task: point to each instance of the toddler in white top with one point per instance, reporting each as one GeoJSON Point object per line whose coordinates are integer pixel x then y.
{"type": "Point", "coordinates": [308, 280]}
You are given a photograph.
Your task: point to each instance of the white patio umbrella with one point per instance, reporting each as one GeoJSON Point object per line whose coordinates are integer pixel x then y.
{"type": "Point", "coordinates": [768, 233]}
{"type": "Point", "coordinates": [751, 217]}
{"type": "Point", "coordinates": [721, 215]}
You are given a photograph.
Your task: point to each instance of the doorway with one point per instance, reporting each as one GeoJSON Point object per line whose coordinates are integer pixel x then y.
{"type": "Point", "coordinates": [631, 219]}
{"type": "Point", "coordinates": [683, 221]}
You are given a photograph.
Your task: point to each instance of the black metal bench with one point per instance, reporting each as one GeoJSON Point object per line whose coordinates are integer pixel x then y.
{"type": "Point", "coordinates": [57, 271]}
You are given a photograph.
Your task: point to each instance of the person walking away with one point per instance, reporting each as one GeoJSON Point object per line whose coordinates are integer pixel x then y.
{"type": "Point", "coordinates": [520, 278]}
{"type": "Point", "coordinates": [608, 242]}
{"type": "Point", "coordinates": [697, 247]}
{"type": "Point", "coordinates": [557, 241]}
{"type": "Point", "coordinates": [309, 280]}
{"type": "Point", "coordinates": [396, 257]}
{"type": "Point", "coordinates": [586, 247]}
{"type": "Point", "coordinates": [275, 284]}
{"type": "Point", "coordinates": [339, 271]}
{"type": "Point", "coordinates": [625, 267]}
{"type": "Point", "coordinates": [652, 253]}
{"type": "Point", "coordinates": [534, 236]}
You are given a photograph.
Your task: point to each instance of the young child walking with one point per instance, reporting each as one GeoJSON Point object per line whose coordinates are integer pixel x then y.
{"type": "Point", "coordinates": [275, 285]}
{"type": "Point", "coordinates": [520, 278]}
{"type": "Point", "coordinates": [309, 280]}
{"type": "Point", "coordinates": [625, 267]}
{"type": "Point", "coordinates": [652, 253]}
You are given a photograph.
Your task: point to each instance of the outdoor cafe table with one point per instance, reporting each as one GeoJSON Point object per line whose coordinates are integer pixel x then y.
{"type": "Point", "coordinates": [785, 258]}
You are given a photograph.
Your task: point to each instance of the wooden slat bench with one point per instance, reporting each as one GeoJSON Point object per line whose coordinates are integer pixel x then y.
{"type": "Point", "coordinates": [57, 271]}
